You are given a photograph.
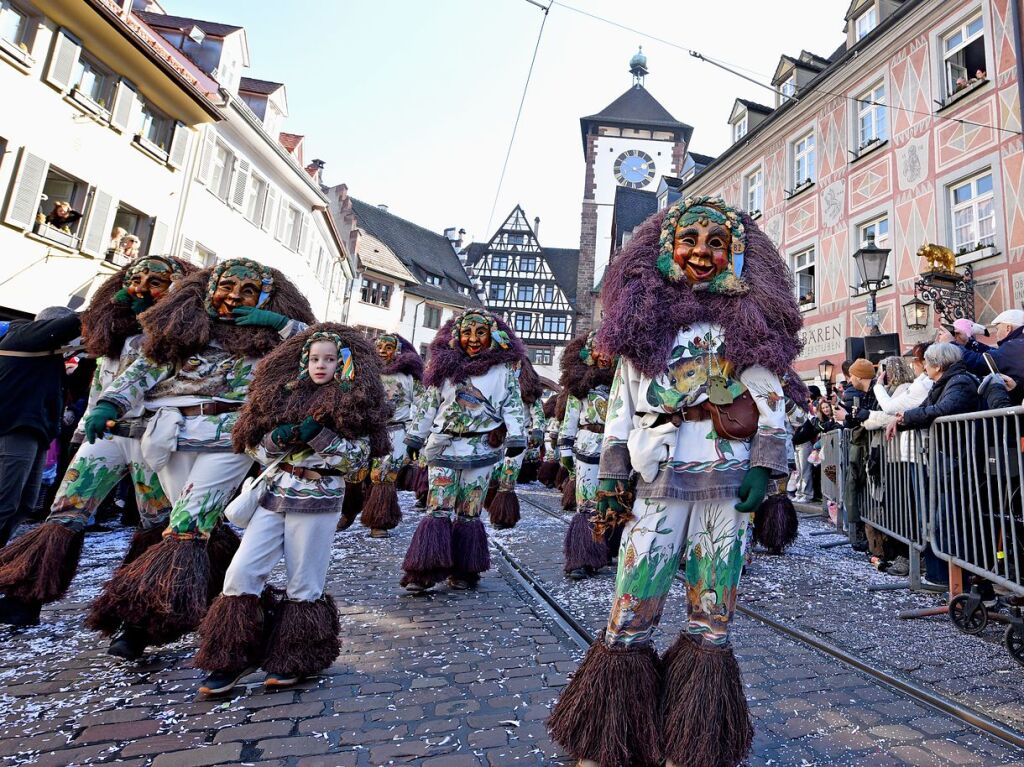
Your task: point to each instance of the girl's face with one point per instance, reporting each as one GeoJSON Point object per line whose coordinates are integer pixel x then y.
{"type": "Point", "coordinates": [323, 361]}
{"type": "Point", "coordinates": [825, 409]}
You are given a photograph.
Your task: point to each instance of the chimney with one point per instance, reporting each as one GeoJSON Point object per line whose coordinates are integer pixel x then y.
{"type": "Point", "coordinates": [536, 227]}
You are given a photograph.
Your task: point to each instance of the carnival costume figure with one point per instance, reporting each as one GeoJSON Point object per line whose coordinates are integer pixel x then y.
{"type": "Point", "coordinates": [549, 464]}
{"type": "Point", "coordinates": [501, 502]}
{"type": "Point", "coordinates": [200, 351]}
{"type": "Point", "coordinates": [470, 409]}
{"type": "Point", "coordinates": [316, 412]}
{"type": "Point", "coordinates": [587, 377]}
{"type": "Point", "coordinates": [700, 309]}
{"type": "Point", "coordinates": [402, 373]}
{"type": "Point", "coordinates": [536, 421]}
{"type": "Point", "coordinates": [565, 478]}
{"type": "Point", "coordinates": [37, 568]}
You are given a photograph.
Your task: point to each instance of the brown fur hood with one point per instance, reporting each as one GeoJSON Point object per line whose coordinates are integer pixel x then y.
{"type": "Point", "coordinates": [277, 396]}
{"type": "Point", "coordinates": [179, 326]}
{"type": "Point", "coordinates": [578, 378]}
{"type": "Point", "coordinates": [107, 324]}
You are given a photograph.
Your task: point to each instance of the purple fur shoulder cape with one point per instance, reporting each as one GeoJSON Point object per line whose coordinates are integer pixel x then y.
{"type": "Point", "coordinates": [577, 376]}
{"type": "Point", "coordinates": [643, 311]}
{"type": "Point", "coordinates": [448, 364]}
{"type": "Point", "coordinates": [406, 361]}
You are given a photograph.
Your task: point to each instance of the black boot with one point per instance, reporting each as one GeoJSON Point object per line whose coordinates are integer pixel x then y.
{"type": "Point", "coordinates": [128, 643]}
{"type": "Point", "coordinates": [19, 612]}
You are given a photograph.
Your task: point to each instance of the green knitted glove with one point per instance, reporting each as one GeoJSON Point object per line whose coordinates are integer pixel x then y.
{"type": "Point", "coordinates": [309, 428]}
{"type": "Point", "coordinates": [250, 316]}
{"type": "Point", "coordinates": [568, 462]}
{"type": "Point", "coordinates": [614, 506]}
{"type": "Point", "coordinates": [753, 489]}
{"type": "Point", "coordinates": [284, 435]}
{"type": "Point", "coordinates": [95, 424]}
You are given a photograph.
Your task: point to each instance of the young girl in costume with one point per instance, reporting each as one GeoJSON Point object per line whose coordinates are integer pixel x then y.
{"type": "Point", "coordinates": [318, 406]}
{"type": "Point", "coordinates": [587, 376]}
{"type": "Point", "coordinates": [37, 568]}
{"type": "Point", "coordinates": [471, 408]}
{"type": "Point", "coordinates": [549, 464]}
{"type": "Point", "coordinates": [532, 390]}
{"type": "Point", "coordinates": [700, 309]}
{"type": "Point", "coordinates": [401, 376]}
{"type": "Point", "coordinates": [501, 501]}
{"type": "Point", "coordinates": [201, 347]}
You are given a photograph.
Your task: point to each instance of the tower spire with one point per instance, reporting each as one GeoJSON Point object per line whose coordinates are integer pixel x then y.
{"type": "Point", "coordinates": [638, 67]}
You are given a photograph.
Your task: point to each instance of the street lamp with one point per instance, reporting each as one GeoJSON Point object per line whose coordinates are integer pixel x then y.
{"type": "Point", "coordinates": [825, 369]}
{"type": "Point", "coordinates": [915, 312]}
{"type": "Point", "coordinates": [871, 262]}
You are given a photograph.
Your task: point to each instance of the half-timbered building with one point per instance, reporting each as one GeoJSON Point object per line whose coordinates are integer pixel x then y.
{"type": "Point", "coordinates": [532, 287]}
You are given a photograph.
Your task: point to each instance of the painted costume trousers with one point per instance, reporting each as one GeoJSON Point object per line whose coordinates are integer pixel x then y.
{"type": "Point", "coordinates": [586, 485]}
{"type": "Point", "coordinates": [705, 540]}
{"type": "Point", "coordinates": [457, 490]}
{"type": "Point", "coordinates": [304, 539]}
{"type": "Point", "coordinates": [95, 471]}
{"type": "Point", "coordinates": [506, 471]}
{"type": "Point", "coordinates": [200, 485]}
{"type": "Point", "coordinates": [386, 467]}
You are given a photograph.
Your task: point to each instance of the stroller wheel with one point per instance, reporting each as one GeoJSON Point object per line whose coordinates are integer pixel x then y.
{"type": "Point", "coordinates": [1014, 641]}
{"type": "Point", "coordinates": [967, 620]}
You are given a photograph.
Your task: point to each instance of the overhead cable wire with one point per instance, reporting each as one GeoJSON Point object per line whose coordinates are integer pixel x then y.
{"type": "Point", "coordinates": [731, 68]}
{"type": "Point", "coordinates": [519, 112]}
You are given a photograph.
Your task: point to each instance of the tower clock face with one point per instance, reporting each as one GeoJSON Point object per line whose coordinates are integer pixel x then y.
{"type": "Point", "coordinates": [634, 168]}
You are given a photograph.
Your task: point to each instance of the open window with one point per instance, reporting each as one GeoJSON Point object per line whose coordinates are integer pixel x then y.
{"type": "Point", "coordinates": [803, 278]}
{"type": "Point", "coordinates": [61, 206]}
{"type": "Point", "coordinates": [155, 132]}
{"type": "Point", "coordinates": [963, 54]}
{"type": "Point", "coordinates": [133, 234]}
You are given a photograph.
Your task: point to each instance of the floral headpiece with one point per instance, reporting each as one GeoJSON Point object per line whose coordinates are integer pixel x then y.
{"type": "Point", "coordinates": [346, 370]}
{"type": "Point", "coordinates": [689, 211]}
{"type": "Point", "coordinates": [391, 338]}
{"type": "Point", "coordinates": [240, 267]}
{"type": "Point", "coordinates": [587, 350]}
{"type": "Point", "coordinates": [499, 338]}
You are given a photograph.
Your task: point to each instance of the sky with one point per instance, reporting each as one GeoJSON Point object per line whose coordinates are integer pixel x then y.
{"type": "Point", "coordinates": [411, 103]}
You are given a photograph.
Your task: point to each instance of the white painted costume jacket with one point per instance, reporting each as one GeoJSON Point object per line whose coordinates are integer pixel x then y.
{"type": "Point", "coordinates": [453, 421]}
{"type": "Point", "coordinates": [690, 461]}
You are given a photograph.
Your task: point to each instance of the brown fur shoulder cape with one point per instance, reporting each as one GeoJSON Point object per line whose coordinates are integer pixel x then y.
{"type": "Point", "coordinates": [578, 378]}
{"type": "Point", "coordinates": [276, 396]}
{"type": "Point", "coordinates": [179, 327]}
{"type": "Point", "coordinates": [106, 324]}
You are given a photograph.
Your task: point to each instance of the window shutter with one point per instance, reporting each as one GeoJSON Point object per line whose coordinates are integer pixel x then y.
{"type": "Point", "coordinates": [304, 235]}
{"type": "Point", "coordinates": [241, 182]}
{"type": "Point", "coordinates": [158, 239]}
{"type": "Point", "coordinates": [124, 105]}
{"type": "Point", "coordinates": [188, 249]}
{"type": "Point", "coordinates": [179, 145]}
{"type": "Point", "coordinates": [270, 209]}
{"type": "Point", "coordinates": [26, 190]}
{"type": "Point", "coordinates": [282, 212]}
{"type": "Point", "coordinates": [62, 60]}
{"type": "Point", "coordinates": [101, 221]}
{"type": "Point", "coordinates": [206, 160]}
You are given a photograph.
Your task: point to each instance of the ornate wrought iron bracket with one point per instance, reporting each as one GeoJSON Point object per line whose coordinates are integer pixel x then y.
{"type": "Point", "coordinates": [952, 294]}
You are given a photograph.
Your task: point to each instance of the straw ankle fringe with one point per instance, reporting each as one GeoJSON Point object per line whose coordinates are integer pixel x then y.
{"type": "Point", "coordinates": [429, 557]}
{"type": "Point", "coordinates": [580, 548]}
{"type": "Point", "coordinates": [776, 526]}
{"type": "Point", "coordinates": [569, 494]}
{"type": "Point", "coordinates": [504, 510]}
{"type": "Point", "coordinates": [304, 639]}
{"type": "Point", "coordinates": [140, 543]}
{"type": "Point", "coordinates": [231, 636]}
{"type": "Point", "coordinates": [40, 565]}
{"type": "Point", "coordinates": [380, 509]}
{"type": "Point", "coordinates": [609, 710]}
{"type": "Point", "coordinates": [706, 722]}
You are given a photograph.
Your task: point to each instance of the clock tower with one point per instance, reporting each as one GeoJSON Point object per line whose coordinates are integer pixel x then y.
{"type": "Point", "coordinates": [631, 142]}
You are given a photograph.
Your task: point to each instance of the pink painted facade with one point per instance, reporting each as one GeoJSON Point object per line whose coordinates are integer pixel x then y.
{"type": "Point", "coordinates": [907, 178]}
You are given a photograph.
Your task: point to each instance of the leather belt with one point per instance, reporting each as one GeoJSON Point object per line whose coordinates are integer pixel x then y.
{"type": "Point", "coordinates": [692, 414]}
{"type": "Point", "coordinates": [309, 474]}
{"type": "Point", "coordinates": [594, 427]}
{"type": "Point", "coordinates": [215, 407]}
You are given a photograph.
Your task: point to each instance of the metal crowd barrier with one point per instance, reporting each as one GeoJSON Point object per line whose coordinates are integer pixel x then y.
{"type": "Point", "coordinates": [834, 453]}
{"type": "Point", "coordinates": [977, 515]}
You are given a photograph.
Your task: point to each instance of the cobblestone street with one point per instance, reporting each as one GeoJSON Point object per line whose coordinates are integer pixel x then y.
{"type": "Point", "coordinates": [455, 679]}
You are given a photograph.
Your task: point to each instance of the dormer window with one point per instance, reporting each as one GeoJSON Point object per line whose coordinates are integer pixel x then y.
{"type": "Point", "coordinates": [433, 279]}
{"type": "Point", "coordinates": [866, 22]}
{"type": "Point", "coordinates": [739, 129]}
{"type": "Point", "coordinates": [788, 87]}
{"type": "Point", "coordinates": [196, 35]}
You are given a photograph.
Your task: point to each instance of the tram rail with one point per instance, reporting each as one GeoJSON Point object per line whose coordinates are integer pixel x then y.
{"type": "Point", "coordinates": [583, 637]}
